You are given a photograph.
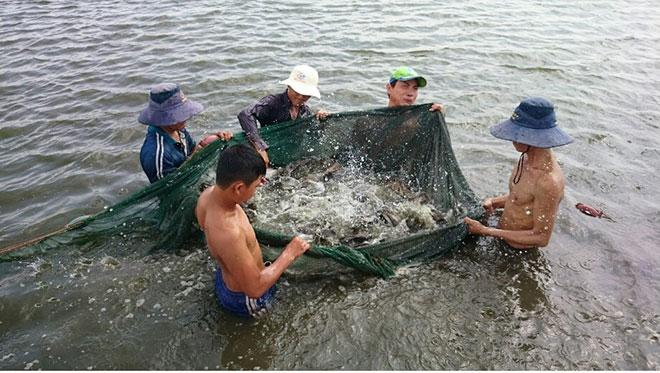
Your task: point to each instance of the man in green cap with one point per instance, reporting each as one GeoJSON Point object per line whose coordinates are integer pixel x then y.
{"type": "Point", "coordinates": [403, 86]}
{"type": "Point", "coordinates": [376, 140]}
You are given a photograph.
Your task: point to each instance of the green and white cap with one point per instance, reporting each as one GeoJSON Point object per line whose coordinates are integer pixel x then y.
{"type": "Point", "coordinates": [406, 73]}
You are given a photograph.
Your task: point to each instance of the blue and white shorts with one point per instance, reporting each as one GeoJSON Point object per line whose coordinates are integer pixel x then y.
{"type": "Point", "coordinates": [240, 304]}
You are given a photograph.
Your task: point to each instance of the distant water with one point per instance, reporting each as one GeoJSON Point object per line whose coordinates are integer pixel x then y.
{"type": "Point", "coordinates": [74, 76]}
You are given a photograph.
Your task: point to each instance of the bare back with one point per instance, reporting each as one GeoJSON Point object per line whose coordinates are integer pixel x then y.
{"type": "Point", "coordinates": [229, 235]}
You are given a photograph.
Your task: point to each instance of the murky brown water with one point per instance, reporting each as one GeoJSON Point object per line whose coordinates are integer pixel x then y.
{"type": "Point", "coordinates": [75, 76]}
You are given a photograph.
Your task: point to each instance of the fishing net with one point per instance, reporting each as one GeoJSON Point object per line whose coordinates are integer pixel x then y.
{"type": "Point", "coordinates": [406, 146]}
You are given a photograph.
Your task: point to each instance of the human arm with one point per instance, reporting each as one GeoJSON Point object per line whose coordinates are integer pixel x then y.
{"type": "Point", "coordinates": [490, 204]}
{"type": "Point", "coordinates": [269, 275]}
{"type": "Point", "coordinates": [263, 153]}
{"type": "Point", "coordinates": [517, 239]}
{"type": "Point", "coordinates": [264, 156]}
{"type": "Point", "coordinates": [232, 249]}
{"type": "Point", "coordinates": [548, 193]}
{"type": "Point", "coordinates": [222, 135]}
{"type": "Point", "coordinates": [440, 107]}
{"type": "Point", "coordinates": [248, 120]}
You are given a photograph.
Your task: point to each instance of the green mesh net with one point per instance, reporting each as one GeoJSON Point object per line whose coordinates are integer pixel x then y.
{"type": "Point", "coordinates": [409, 144]}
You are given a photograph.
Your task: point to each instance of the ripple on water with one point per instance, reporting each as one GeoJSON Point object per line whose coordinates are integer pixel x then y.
{"type": "Point", "coordinates": [77, 74]}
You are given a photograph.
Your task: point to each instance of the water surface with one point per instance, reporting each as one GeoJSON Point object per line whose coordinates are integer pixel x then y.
{"type": "Point", "coordinates": [75, 76]}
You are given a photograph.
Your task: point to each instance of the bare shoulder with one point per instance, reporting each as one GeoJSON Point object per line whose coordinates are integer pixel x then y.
{"type": "Point", "coordinates": [200, 208]}
{"type": "Point", "coordinates": [204, 195]}
{"type": "Point", "coordinates": [550, 185]}
{"type": "Point", "coordinates": [222, 233]}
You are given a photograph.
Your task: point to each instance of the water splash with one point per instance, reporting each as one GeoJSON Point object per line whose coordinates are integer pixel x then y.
{"type": "Point", "coordinates": [334, 204]}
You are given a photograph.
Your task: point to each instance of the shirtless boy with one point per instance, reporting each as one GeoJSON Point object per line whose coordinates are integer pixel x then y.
{"type": "Point", "coordinates": [244, 285]}
{"type": "Point", "coordinates": [536, 185]}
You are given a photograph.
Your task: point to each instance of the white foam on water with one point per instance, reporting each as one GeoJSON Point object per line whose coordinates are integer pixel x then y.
{"type": "Point", "coordinates": [331, 204]}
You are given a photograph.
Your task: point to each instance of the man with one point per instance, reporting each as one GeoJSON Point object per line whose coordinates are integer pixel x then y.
{"type": "Point", "coordinates": [167, 143]}
{"type": "Point", "coordinates": [536, 185]}
{"type": "Point", "coordinates": [376, 141]}
{"type": "Point", "coordinates": [283, 107]}
{"type": "Point", "coordinates": [244, 285]}
{"type": "Point", "coordinates": [403, 86]}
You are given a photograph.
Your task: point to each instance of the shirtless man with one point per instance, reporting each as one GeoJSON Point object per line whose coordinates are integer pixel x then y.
{"type": "Point", "coordinates": [536, 185]}
{"type": "Point", "coordinates": [244, 285]}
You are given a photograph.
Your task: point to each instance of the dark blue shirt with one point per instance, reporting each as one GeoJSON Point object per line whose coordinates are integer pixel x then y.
{"type": "Point", "coordinates": [160, 154]}
{"type": "Point", "coordinates": [269, 110]}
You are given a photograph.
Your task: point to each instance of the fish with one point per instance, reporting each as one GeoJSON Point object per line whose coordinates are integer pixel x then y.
{"type": "Point", "coordinates": [592, 211]}
{"type": "Point", "coordinates": [389, 217]}
{"type": "Point", "coordinates": [335, 204]}
{"type": "Point", "coordinates": [272, 172]}
{"type": "Point", "coordinates": [400, 188]}
{"type": "Point", "coordinates": [355, 239]}
{"type": "Point", "coordinates": [330, 171]}
{"type": "Point", "coordinates": [307, 166]}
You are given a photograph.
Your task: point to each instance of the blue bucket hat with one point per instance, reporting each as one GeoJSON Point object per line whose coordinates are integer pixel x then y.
{"type": "Point", "coordinates": [532, 123]}
{"type": "Point", "coordinates": [168, 106]}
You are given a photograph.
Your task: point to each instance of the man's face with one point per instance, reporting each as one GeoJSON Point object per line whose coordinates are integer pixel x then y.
{"type": "Point", "coordinates": [177, 127]}
{"type": "Point", "coordinates": [296, 98]}
{"type": "Point", "coordinates": [404, 93]}
{"type": "Point", "coordinates": [252, 188]}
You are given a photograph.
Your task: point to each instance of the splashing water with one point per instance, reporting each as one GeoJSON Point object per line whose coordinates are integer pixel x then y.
{"type": "Point", "coordinates": [331, 204]}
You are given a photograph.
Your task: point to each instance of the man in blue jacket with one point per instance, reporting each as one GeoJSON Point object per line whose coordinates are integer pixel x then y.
{"type": "Point", "coordinates": [167, 143]}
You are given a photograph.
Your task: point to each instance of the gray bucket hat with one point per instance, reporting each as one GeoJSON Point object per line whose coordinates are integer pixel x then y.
{"type": "Point", "coordinates": [532, 123]}
{"type": "Point", "coordinates": [168, 106]}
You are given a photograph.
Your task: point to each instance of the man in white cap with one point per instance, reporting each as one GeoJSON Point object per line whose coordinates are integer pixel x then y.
{"type": "Point", "coordinates": [283, 107]}
{"type": "Point", "coordinates": [536, 185]}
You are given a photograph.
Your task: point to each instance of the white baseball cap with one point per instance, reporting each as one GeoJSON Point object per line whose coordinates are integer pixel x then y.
{"type": "Point", "coordinates": [304, 80]}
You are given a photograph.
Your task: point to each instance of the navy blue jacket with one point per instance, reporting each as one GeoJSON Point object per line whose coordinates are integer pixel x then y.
{"type": "Point", "coordinates": [160, 154]}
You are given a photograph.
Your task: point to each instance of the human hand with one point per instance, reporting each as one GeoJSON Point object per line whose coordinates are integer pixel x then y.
{"type": "Point", "coordinates": [488, 206]}
{"type": "Point", "coordinates": [225, 135]}
{"type": "Point", "coordinates": [222, 135]}
{"type": "Point", "coordinates": [440, 107]}
{"type": "Point", "coordinates": [297, 247]}
{"type": "Point", "coordinates": [474, 227]}
{"type": "Point", "coordinates": [322, 114]}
